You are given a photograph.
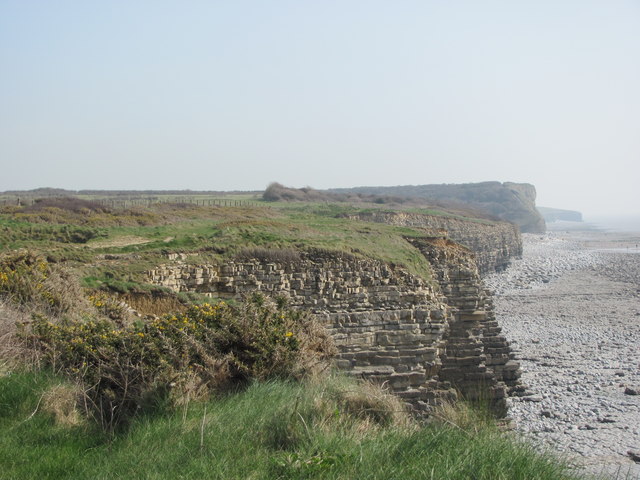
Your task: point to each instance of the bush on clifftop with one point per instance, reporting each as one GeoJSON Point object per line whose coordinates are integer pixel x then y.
{"type": "Point", "coordinates": [206, 349]}
{"type": "Point", "coordinates": [124, 364]}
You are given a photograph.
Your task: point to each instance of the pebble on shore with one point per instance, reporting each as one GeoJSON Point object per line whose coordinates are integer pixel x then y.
{"type": "Point", "coordinates": [571, 314]}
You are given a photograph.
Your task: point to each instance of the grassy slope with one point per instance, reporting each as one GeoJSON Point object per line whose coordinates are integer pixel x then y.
{"type": "Point", "coordinates": [272, 430]}
{"type": "Point", "coordinates": [144, 234]}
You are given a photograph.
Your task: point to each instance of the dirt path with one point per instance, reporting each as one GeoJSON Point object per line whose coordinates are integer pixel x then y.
{"type": "Point", "coordinates": [119, 242]}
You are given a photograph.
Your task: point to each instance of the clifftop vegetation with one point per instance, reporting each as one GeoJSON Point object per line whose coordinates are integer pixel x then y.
{"type": "Point", "coordinates": [276, 192]}
{"type": "Point", "coordinates": [112, 247]}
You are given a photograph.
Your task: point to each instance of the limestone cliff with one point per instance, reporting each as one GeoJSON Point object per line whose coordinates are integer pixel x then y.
{"type": "Point", "coordinates": [476, 358]}
{"type": "Point", "coordinates": [514, 202]}
{"type": "Point", "coordinates": [494, 243]}
{"type": "Point", "coordinates": [424, 341]}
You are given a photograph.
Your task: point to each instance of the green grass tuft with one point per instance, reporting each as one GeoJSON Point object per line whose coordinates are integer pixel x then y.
{"type": "Point", "coordinates": [272, 430]}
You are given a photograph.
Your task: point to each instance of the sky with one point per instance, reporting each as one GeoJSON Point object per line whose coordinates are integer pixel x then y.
{"type": "Point", "coordinates": [233, 95]}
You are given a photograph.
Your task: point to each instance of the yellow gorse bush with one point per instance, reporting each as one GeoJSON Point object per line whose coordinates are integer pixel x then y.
{"type": "Point", "coordinates": [218, 343]}
{"type": "Point", "coordinates": [108, 306]}
{"type": "Point", "coordinates": [23, 278]}
{"type": "Point", "coordinates": [28, 280]}
{"type": "Point", "coordinates": [4, 279]}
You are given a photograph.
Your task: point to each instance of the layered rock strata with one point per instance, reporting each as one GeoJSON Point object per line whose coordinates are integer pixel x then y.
{"type": "Point", "coordinates": [493, 243]}
{"type": "Point", "coordinates": [476, 358]}
{"type": "Point", "coordinates": [389, 325]}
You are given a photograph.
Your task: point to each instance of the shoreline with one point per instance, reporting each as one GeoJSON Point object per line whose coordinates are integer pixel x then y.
{"type": "Point", "coordinates": [571, 310]}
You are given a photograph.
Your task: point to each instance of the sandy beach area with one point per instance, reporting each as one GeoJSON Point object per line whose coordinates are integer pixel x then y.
{"type": "Point", "coordinates": [571, 311]}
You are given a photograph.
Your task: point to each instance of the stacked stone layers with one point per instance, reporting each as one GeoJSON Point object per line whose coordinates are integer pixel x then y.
{"type": "Point", "coordinates": [389, 325]}
{"type": "Point", "coordinates": [493, 243]}
{"type": "Point", "coordinates": [476, 359]}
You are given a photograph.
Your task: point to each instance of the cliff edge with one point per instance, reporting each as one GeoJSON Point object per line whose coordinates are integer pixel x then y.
{"type": "Point", "coordinates": [514, 202]}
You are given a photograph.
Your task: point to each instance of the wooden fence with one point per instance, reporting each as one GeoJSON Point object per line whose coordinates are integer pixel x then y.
{"type": "Point", "coordinates": [128, 202]}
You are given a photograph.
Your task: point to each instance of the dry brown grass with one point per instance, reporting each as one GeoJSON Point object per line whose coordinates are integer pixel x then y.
{"type": "Point", "coordinates": [369, 403]}
{"type": "Point", "coordinates": [463, 416]}
{"type": "Point", "coordinates": [75, 211]}
{"type": "Point", "coordinates": [122, 241]}
{"type": "Point", "coordinates": [62, 401]}
{"type": "Point", "coordinates": [70, 204]}
{"type": "Point", "coordinates": [12, 348]}
{"type": "Point", "coordinates": [155, 304]}
{"type": "Point", "coordinates": [65, 288]}
{"type": "Point", "coordinates": [318, 347]}
{"type": "Point", "coordinates": [33, 285]}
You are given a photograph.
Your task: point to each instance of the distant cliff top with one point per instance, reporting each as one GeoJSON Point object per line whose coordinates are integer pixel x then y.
{"type": "Point", "coordinates": [514, 202]}
{"type": "Point", "coordinates": [556, 214]}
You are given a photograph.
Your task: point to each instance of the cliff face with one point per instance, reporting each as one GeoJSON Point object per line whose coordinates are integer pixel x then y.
{"type": "Point", "coordinates": [520, 208]}
{"type": "Point", "coordinates": [389, 325]}
{"type": "Point", "coordinates": [493, 243]}
{"type": "Point", "coordinates": [514, 202]}
{"type": "Point", "coordinates": [476, 358]}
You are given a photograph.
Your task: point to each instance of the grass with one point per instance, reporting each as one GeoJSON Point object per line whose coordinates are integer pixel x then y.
{"type": "Point", "coordinates": [32, 444]}
{"type": "Point", "coordinates": [272, 430]}
{"type": "Point", "coordinates": [137, 239]}
{"type": "Point", "coordinates": [14, 234]}
{"type": "Point", "coordinates": [474, 217]}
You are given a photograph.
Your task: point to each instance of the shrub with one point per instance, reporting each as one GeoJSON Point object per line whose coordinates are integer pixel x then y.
{"type": "Point", "coordinates": [30, 281]}
{"type": "Point", "coordinates": [276, 192]}
{"type": "Point", "coordinates": [206, 349]}
{"type": "Point", "coordinates": [12, 348]}
{"type": "Point", "coordinates": [17, 232]}
{"type": "Point", "coordinates": [110, 307]}
{"type": "Point", "coordinates": [71, 204]}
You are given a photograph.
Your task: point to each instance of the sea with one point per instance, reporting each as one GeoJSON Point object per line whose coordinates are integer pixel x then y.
{"type": "Point", "coordinates": [613, 223]}
{"type": "Point", "coordinates": [606, 224]}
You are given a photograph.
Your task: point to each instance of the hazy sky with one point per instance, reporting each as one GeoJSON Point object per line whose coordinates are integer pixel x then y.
{"type": "Point", "coordinates": [225, 95]}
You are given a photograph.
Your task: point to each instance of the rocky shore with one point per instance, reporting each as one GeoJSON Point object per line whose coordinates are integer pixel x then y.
{"type": "Point", "coordinates": [571, 310]}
